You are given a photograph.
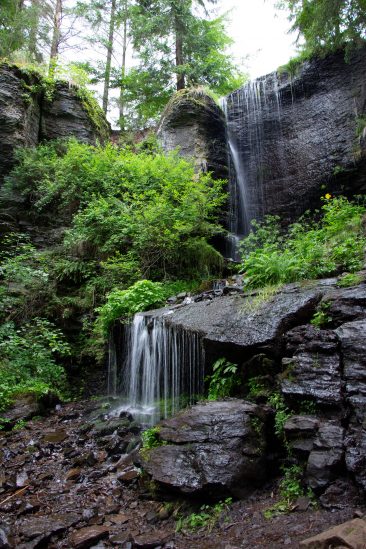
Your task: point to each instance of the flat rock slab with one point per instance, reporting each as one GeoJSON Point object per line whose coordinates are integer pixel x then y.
{"type": "Point", "coordinates": [216, 447]}
{"type": "Point", "coordinates": [351, 534]}
{"type": "Point", "coordinates": [87, 537]}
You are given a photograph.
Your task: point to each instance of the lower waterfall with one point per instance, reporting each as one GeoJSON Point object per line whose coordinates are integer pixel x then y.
{"type": "Point", "coordinates": [163, 369]}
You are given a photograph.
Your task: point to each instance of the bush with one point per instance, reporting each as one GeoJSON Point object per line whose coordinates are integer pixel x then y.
{"type": "Point", "coordinates": [28, 359]}
{"type": "Point", "coordinates": [309, 250]}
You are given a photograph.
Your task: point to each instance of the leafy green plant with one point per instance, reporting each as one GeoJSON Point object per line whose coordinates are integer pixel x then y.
{"type": "Point", "coordinates": [321, 317]}
{"type": "Point", "coordinates": [141, 296]}
{"type": "Point", "coordinates": [310, 249]}
{"type": "Point", "coordinates": [28, 359]}
{"type": "Point", "coordinates": [350, 279]}
{"type": "Point", "coordinates": [290, 489]}
{"type": "Point", "coordinates": [206, 518]}
{"type": "Point", "coordinates": [223, 380]}
{"type": "Point", "coordinates": [150, 439]}
{"type": "Point", "coordinates": [282, 413]}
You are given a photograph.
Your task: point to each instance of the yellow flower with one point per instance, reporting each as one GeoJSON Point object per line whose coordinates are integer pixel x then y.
{"type": "Point", "coordinates": [327, 196]}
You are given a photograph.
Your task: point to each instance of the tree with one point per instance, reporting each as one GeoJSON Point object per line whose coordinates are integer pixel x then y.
{"type": "Point", "coordinates": [12, 27]}
{"type": "Point", "coordinates": [327, 25]}
{"type": "Point", "coordinates": [177, 48]}
{"type": "Point", "coordinates": [56, 34]}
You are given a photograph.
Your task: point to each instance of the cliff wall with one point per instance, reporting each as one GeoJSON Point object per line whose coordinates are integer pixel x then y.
{"type": "Point", "coordinates": [31, 111]}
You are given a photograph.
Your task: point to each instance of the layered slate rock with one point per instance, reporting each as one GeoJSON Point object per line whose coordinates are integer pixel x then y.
{"type": "Point", "coordinates": [19, 113]}
{"type": "Point", "coordinates": [195, 125]}
{"type": "Point", "coordinates": [325, 459]}
{"type": "Point", "coordinates": [346, 304]}
{"type": "Point", "coordinates": [240, 326]}
{"type": "Point", "coordinates": [295, 133]}
{"type": "Point", "coordinates": [353, 346]}
{"type": "Point", "coordinates": [67, 115]}
{"type": "Point", "coordinates": [214, 448]}
{"type": "Point", "coordinates": [350, 534]}
{"type": "Point", "coordinates": [314, 370]}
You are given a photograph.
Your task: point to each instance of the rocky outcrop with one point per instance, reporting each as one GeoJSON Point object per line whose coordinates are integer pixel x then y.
{"type": "Point", "coordinates": [31, 111]}
{"type": "Point", "coordinates": [195, 125]}
{"type": "Point", "coordinates": [217, 448]}
{"type": "Point", "coordinates": [316, 374]}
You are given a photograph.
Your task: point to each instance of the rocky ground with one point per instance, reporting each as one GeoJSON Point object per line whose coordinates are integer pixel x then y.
{"type": "Point", "coordinates": [68, 480]}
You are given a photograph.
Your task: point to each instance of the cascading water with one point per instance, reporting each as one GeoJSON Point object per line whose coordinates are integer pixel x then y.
{"type": "Point", "coordinates": [163, 369]}
{"type": "Point", "coordinates": [247, 112]}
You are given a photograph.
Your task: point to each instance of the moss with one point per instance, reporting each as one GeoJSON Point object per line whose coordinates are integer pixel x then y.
{"type": "Point", "coordinates": [95, 113]}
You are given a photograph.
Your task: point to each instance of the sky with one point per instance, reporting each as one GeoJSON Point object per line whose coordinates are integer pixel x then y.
{"type": "Point", "coordinates": [261, 32]}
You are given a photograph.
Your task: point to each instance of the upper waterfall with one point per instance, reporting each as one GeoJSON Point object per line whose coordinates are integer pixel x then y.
{"type": "Point", "coordinates": [247, 111]}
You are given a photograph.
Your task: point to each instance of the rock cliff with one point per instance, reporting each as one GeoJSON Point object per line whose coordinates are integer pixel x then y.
{"type": "Point", "coordinates": [193, 123]}
{"type": "Point", "coordinates": [32, 111]}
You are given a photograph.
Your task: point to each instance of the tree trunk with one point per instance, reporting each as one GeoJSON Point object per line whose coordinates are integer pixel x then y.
{"type": "Point", "coordinates": [107, 76]}
{"type": "Point", "coordinates": [179, 59]}
{"type": "Point", "coordinates": [56, 36]}
{"type": "Point", "coordinates": [123, 73]}
{"type": "Point", "coordinates": [33, 32]}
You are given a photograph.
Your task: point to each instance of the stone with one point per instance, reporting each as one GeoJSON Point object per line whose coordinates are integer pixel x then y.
{"type": "Point", "coordinates": [151, 539]}
{"type": "Point", "coordinates": [23, 408]}
{"type": "Point", "coordinates": [212, 448]}
{"type": "Point", "coordinates": [355, 454]}
{"type": "Point", "coordinates": [351, 534]}
{"type": "Point", "coordinates": [341, 494]}
{"type": "Point", "coordinates": [89, 536]}
{"type": "Point", "coordinates": [346, 304]}
{"type": "Point", "coordinates": [325, 459]}
{"type": "Point", "coordinates": [352, 336]}
{"type": "Point", "coordinates": [27, 117]}
{"type": "Point", "coordinates": [19, 113]}
{"type": "Point", "coordinates": [300, 432]}
{"type": "Point", "coordinates": [314, 370]}
{"type": "Point", "coordinates": [41, 528]}
{"type": "Point", "coordinates": [74, 474]}
{"type": "Point", "coordinates": [128, 476]}
{"type": "Point", "coordinates": [55, 437]}
{"type": "Point", "coordinates": [4, 543]}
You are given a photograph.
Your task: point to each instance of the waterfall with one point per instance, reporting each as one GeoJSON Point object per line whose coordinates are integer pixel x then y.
{"type": "Point", "coordinates": [248, 112]}
{"type": "Point", "coordinates": [163, 368]}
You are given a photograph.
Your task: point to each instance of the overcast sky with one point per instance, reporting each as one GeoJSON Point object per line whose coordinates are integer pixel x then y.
{"type": "Point", "coordinates": [261, 32]}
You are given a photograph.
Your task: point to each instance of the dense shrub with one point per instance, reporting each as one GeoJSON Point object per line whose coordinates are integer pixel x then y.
{"type": "Point", "coordinates": [310, 249]}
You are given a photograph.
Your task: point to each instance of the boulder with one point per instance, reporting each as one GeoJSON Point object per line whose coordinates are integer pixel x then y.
{"type": "Point", "coordinates": [351, 534]}
{"type": "Point", "coordinates": [300, 432]}
{"type": "Point", "coordinates": [89, 536]}
{"type": "Point", "coordinates": [314, 370]}
{"type": "Point", "coordinates": [214, 448]}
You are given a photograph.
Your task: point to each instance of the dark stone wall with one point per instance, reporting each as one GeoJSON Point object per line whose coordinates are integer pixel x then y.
{"type": "Point", "coordinates": [297, 136]}
{"type": "Point", "coordinates": [27, 117]}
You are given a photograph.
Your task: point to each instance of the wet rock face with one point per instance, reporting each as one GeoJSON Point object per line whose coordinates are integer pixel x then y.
{"type": "Point", "coordinates": [314, 370]}
{"type": "Point", "coordinates": [297, 133]}
{"type": "Point", "coordinates": [195, 124]}
{"type": "Point", "coordinates": [239, 326]}
{"type": "Point", "coordinates": [214, 448]}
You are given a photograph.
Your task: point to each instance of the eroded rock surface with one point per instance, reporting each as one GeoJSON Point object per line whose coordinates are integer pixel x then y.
{"type": "Point", "coordinates": [216, 447]}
